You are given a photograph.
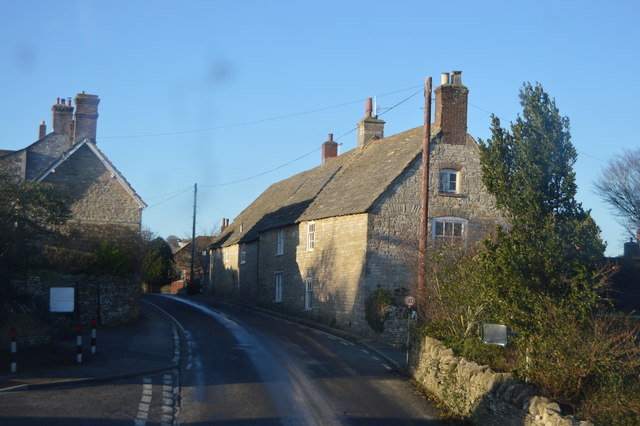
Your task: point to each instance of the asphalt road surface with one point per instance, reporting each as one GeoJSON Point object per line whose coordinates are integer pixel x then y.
{"type": "Point", "coordinates": [242, 367]}
{"type": "Point", "coordinates": [239, 367]}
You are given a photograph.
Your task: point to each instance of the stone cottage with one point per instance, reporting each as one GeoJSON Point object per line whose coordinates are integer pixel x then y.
{"type": "Point", "coordinates": [319, 243]}
{"type": "Point", "coordinates": [69, 157]}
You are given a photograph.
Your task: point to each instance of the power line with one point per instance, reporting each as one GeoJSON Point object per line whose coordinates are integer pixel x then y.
{"type": "Point", "coordinates": [248, 123]}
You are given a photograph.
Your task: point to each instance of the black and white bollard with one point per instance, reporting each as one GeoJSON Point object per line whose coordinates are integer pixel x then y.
{"type": "Point", "coordinates": [93, 336]}
{"type": "Point", "coordinates": [14, 349]}
{"type": "Point", "coordinates": [79, 344]}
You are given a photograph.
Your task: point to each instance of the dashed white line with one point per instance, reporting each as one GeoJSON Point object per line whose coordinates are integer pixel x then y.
{"type": "Point", "coordinates": [365, 351]}
{"type": "Point", "coordinates": [375, 357]}
{"type": "Point", "coordinates": [386, 366]}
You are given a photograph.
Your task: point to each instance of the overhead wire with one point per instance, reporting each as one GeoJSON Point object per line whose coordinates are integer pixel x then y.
{"type": "Point", "coordinates": [247, 123]}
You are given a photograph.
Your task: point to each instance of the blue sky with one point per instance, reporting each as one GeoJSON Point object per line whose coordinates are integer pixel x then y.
{"type": "Point", "coordinates": [214, 92]}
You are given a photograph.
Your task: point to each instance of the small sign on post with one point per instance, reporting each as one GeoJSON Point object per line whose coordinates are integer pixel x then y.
{"type": "Point", "coordinates": [410, 301]}
{"type": "Point", "coordinates": [61, 299]}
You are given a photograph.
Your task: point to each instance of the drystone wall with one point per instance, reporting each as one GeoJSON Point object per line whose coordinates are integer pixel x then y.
{"type": "Point", "coordinates": [109, 300]}
{"type": "Point", "coordinates": [475, 391]}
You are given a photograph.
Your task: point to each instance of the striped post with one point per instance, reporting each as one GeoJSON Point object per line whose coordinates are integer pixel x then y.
{"type": "Point", "coordinates": [14, 349]}
{"type": "Point", "coordinates": [93, 336]}
{"type": "Point", "coordinates": [79, 344]}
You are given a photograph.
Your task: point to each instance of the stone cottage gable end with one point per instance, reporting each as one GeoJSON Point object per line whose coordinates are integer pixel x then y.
{"type": "Point", "coordinates": [69, 157]}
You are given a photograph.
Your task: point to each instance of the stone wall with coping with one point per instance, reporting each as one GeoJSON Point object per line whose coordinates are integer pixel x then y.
{"type": "Point", "coordinates": [475, 391]}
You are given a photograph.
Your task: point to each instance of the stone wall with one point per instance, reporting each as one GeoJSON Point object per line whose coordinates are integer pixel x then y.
{"type": "Point", "coordinates": [333, 268]}
{"type": "Point", "coordinates": [14, 164]}
{"type": "Point", "coordinates": [475, 391]}
{"type": "Point", "coordinates": [110, 300]}
{"type": "Point", "coordinates": [472, 201]}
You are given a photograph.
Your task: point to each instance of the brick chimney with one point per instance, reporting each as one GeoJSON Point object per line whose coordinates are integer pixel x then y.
{"type": "Point", "coordinates": [329, 149]}
{"type": "Point", "coordinates": [86, 116]}
{"type": "Point", "coordinates": [42, 130]}
{"type": "Point", "coordinates": [369, 128]}
{"type": "Point", "coordinates": [225, 224]}
{"type": "Point", "coordinates": [451, 108]}
{"type": "Point", "coordinates": [62, 116]}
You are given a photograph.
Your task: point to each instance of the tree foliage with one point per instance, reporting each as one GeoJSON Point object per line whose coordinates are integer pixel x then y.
{"type": "Point", "coordinates": [158, 266]}
{"type": "Point", "coordinates": [552, 247]}
{"type": "Point", "coordinates": [540, 275]}
{"type": "Point", "coordinates": [30, 213]}
{"type": "Point", "coordinates": [619, 186]}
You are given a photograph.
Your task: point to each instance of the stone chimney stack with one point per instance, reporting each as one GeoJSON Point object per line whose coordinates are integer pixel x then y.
{"type": "Point", "coordinates": [451, 108]}
{"type": "Point", "coordinates": [370, 128]}
{"type": "Point", "coordinates": [42, 130]}
{"type": "Point", "coordinates": [329, 149]}
{"type": "Point", "coordinates": [62, 116]}
{"type": "Point", "coordinates": [86, 116]}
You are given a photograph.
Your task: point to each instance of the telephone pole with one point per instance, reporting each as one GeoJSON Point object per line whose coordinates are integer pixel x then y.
{"type": "Point", "coordinates": [424, 196]}
{"type": "Point", "coordinates": [193, 232]}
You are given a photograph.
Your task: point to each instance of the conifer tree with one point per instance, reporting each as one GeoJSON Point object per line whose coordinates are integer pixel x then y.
{"type": "Point", "coordinates": [550, 252]}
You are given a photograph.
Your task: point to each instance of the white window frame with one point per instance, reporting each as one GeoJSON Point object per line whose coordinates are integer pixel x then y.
{"type": "Point", "coordinates": [277, 282]}
{"type": "Point", "coordinates": [311, 236]}
{"type": "Point", "coordinates": [243, 256]}
{"type": "Point", "coordinates": [445, 184]}
{"type": "Point", "coordinates": [308, 293]}
{"type": "Point", "coordinates": [280, 242]}
{"type": "Point", "coordinates": [449, 225]}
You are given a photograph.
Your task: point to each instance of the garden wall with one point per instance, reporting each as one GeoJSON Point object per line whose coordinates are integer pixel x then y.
{"type": "Point", "coordinates": [475, 391]}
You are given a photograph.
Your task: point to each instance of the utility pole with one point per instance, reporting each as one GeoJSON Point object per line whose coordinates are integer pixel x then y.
{"type": "Point", "coordinates": [424, 196]}
{"type": "Point", "coordinates": [193, 233]}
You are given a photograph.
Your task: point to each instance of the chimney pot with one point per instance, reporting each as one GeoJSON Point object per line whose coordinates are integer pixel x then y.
{"type": "Point", "coordinates": [57, 101]}
{"type": "Point", "coordinates": [330, 138]}
{"type": "Point", "coordinates": [444, 78]}
{"type": "Point", "coordinates": [369, 109]}
{"type": "Point", "coordinates": [456, 77]}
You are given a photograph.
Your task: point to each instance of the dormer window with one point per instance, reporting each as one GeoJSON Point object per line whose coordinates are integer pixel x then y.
{"type": "Point", "coordinates": [449, 181]}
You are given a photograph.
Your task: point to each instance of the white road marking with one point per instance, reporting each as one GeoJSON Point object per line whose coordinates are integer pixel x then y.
{"type": "Point", "coordinates": [375, 357]}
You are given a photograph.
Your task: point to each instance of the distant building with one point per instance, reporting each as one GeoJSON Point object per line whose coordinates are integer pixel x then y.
{"type": "Point", "coordinates": [68, 157]}
{"type": "Point", "coordinates": [319, 243]}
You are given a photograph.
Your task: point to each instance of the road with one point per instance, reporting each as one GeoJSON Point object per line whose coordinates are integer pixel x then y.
{"type": "Point", "coordinates": [242, 367]}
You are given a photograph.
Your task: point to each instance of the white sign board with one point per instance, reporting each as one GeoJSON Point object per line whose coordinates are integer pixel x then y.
{"type": "Point", "coordinates": [61, 299]}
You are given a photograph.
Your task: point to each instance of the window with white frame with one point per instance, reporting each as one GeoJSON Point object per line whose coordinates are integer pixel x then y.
{"type": "Point", "coordinates": [449, 229]}
{"type": "Point", "coordinates": [311, 236]}
{"type": "Point", "coordinates": [280, 243]}
{"type": "Point", "coordinates": [449, 181]}
{"type": "Point", "coordinates": [308, 294]}
{"type": "Point", "coordinates": [243, 256]}
{"type": "Point", "coordinates": [278, 287]}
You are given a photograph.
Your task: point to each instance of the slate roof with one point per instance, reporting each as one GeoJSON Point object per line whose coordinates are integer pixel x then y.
{"type": "Point", "coordinates": [344, 185]}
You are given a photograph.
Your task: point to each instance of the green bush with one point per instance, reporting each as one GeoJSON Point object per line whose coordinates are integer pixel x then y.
{"type": "Point", "coordinates": [376, 308]}
{"type": "Point", "coordinates": [110, 259]}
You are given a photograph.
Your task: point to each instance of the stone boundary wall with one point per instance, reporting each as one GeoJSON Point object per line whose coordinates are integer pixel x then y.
{"type": "Point", "coordinates": [110, 300]}
{"type": "Point", "coordinates": [475, 391]}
